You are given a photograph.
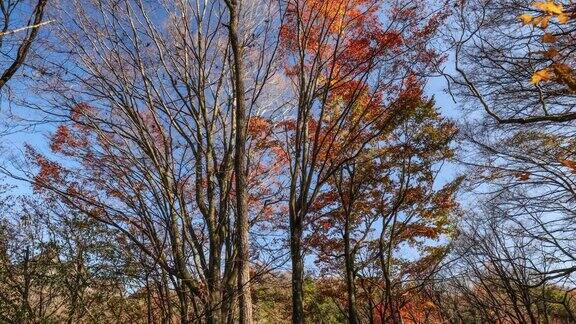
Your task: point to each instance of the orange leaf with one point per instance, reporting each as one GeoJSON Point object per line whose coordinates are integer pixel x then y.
{"type": "Point", "coordinates": [550, 53]}
{"type": "Point", "coordinates": [569, 164]}
{"type": "Point", "coordinates": [523, 176]}
{"type": "Point", "coordinates": [548, 38]}
{"type": "Point", "coordinates": [544, 22]}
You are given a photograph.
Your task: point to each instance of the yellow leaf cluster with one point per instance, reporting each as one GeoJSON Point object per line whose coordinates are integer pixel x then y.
{"type": "Point", "coordinates": [542, 21]}
{"type": "Point", "coordinates": [549, 10]}
{"type": "Point", "coordinates": [560, 72]}
{"type": "Point", "coordinates": [549, 7]}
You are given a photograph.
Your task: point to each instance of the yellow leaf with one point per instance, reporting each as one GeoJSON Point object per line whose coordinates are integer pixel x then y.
{"type": "Point", "coordinates": [525, 18]}
{"type": "Point", "coordinates": [549, 7]}
{"type": "Point", "coordinates": [548, 38]}
{"type": "Point", "coordinates": [563, 18]}
{"type": "Point", "coordinates": [544, 22]}
{"type": "Point", "coordinates": [541, 75]}
{"type": "Point", "coordinates": [541, 21]}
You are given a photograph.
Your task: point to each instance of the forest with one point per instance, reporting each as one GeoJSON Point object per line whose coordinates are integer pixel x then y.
{"type": "Point", "coordinates": [288, 161]}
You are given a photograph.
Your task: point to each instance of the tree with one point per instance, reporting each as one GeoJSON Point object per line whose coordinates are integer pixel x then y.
{"type": "Point", "coordinates": [528, 174]}
{"type": "Point", "coordinates": [58, 266]}
{"type": "Point", "coordinates": [514, 58]}
{"type": "Point", "coordinates": [357, 51]}
{"type": "Point", "coordinates": [495, 275]}
{"type": "Point", "coordinates": [149, 141]}
{"type": "Point", "coordinates": [240, 164]}
{"type": "Point", "coordinates": [390, 188]}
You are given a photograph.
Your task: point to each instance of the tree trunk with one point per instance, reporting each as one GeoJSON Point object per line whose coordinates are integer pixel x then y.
{"type": "Point", "coordinates": [242, 233]}
{"type": "Point", "coordinates": [349, 266]}
{"type": "Point", "coordinates": [214, 285]}
{"type": "Point", "coordinates": [297, 270]}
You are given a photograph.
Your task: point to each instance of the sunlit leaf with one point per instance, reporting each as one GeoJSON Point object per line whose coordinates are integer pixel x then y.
{"type": "Point", "coordinates": [549, 7]}
{"type": "Point", "coordinates": [526, 18]}
{"type": "Point", "coordinates": [563, 18]}
{"type": "Point", "coordinates": [541, 75]}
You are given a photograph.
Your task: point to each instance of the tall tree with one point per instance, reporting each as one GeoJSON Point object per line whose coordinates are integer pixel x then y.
{"type": "Point", "coordinates": [149, 139]}
{"type": "Point", "coordinates": [385, 202]}
{"type": "Point", "coordinates": [515, 59]}
{"type": "Point", "coordinates": [357, 49]}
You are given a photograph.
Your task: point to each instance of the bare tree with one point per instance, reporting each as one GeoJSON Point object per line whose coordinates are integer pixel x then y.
{"type": "Point", "coordinates": [148, 91]}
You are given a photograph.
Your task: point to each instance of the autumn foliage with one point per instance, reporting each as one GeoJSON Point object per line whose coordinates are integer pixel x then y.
{"type": "Point", "coordinates": [250, 161]}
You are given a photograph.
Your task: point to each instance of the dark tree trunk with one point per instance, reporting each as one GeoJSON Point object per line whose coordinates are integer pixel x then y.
{"type": "Point", "coordinates": [349, 266]}
{"type": "Point", "coordinates": [240, 163]}
{"type": "Point", "coordinates": [297, 269]}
